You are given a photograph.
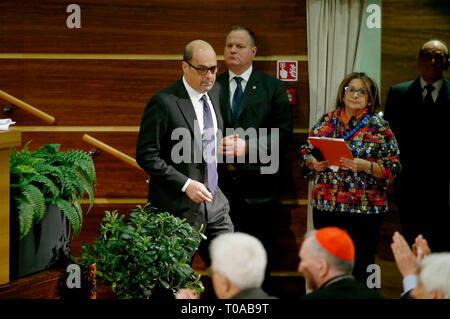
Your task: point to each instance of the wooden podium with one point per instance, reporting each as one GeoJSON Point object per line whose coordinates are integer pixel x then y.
{"type": "Point", "coordinates": [8, 139]}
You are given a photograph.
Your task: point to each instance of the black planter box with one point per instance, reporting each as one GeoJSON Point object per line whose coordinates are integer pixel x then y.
{"type": "Point", "coordinates": [46, 245]}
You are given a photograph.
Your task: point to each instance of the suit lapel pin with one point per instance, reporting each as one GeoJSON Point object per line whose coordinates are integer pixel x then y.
{"type": "Point", "coordinates": [254, 87]}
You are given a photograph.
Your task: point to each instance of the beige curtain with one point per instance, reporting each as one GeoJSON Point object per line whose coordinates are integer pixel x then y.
{"type": "Point", "coordinates": [334, 29]}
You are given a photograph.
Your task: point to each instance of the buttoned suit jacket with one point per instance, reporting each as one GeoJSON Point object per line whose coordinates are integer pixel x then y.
{"type": "Point", "coordinates": [264, 105]}
{"type": "Point", "coordinates": [168, 120]}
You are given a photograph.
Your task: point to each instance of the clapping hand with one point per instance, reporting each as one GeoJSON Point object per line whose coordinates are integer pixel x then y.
{"type": "Point", "coordinates": [408, 260]}
{"type": "Point", "coordinates": [405, 259]}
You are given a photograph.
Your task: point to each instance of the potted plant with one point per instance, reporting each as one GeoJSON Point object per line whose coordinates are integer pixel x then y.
{"type": "Point", "coordinates": [142, 253]}
{"type": "Point", "coordinates": [47, 187]}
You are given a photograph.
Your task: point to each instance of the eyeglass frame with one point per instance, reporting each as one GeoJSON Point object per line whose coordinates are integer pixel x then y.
{"type": "Point", "coordinates": [351, 91]}
{"type": "Point", "coordinates": [214, 67]}
{"type": "Point", "coordinates": [439, 58]}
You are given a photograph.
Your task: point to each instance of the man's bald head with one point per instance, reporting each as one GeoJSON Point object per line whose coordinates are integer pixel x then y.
{"type": "Point", "coordinates": [194, 46]}
{"type": "Point", "coordinates": [199, 65]}
{"type": "Point", "coordinates": [433, 60]}
{"type": "Point", "coordinates": [434, 44]}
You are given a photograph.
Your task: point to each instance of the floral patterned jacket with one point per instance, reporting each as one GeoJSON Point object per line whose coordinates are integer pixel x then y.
{"type": "Point", "coordinates": [345, 190]}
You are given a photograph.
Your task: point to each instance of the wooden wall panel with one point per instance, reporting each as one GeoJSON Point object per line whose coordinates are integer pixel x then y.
{"type": "Point", "coordinates": [105, 92]}
{"type": "Point", "coordinates": [115, 179]}
{"type": "Point", "coordinates": [149, 27]}
{"type": "Point", "coordinates": [407, 24]}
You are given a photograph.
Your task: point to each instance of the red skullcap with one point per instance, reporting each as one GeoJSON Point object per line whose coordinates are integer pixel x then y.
{"type": "Point", "coordinates": [337, 242]}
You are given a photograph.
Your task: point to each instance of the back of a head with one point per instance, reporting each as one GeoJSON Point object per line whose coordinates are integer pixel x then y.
{"type": "Point", "coordinates": [336, 246]}
{"type": "Point", "coordinates": [240, 257]}
{"type": "Point", "coordinates": [434, 271]}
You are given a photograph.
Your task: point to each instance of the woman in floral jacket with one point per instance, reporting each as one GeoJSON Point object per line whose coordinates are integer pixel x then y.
{"type": "Point", "coordinates": [353, 195]}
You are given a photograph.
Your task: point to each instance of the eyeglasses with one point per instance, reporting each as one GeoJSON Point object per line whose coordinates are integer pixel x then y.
{"type": "Point", "coordinates": [438, 58]}
{"type": "Point", "coordinates": [351, 90]}
{"type": "Point", "coordinates": [202, 70]}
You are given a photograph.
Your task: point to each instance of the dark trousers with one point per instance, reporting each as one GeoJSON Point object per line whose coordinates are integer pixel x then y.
{"type": "Point", "coordinates": [364, 229]}
{"type": "Point", "coordinates": [218, 221]}
{"type": "Point", "coordinates": [258, 218]}
{"type": "Point", "coordinates": [424, 209]}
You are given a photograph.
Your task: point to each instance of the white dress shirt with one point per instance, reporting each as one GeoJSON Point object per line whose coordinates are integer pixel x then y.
{"type": "Point", "coordinates": [245, 76]}
{"type": "Point", "coordinates": [437, 87]}
{"type": "Point", "coordinates": [198, 108]}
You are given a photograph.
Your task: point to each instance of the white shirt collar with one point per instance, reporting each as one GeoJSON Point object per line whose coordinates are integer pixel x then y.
{"type": "Point", "coordinates": [193, 94]}
{"type": "Point", "coordinates": [437, 85]}
{"type": "Point", "coordinates": [245, 75]}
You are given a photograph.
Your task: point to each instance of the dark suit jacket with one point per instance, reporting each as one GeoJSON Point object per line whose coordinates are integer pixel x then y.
{"type": "Point", "coordinates": [346, 288]}
{"type": "Point", "coordinates": [264, 105]}
{"type": "Point", "coordinates": [167, 111]}
{"type": "Point", "coordinates": [253, 293]}
{"type": "Point", "coordinates": [423, 138]}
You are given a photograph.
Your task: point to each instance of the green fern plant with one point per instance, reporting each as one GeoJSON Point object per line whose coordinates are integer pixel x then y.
{"type": "Point", "coordinates": [48, 176]}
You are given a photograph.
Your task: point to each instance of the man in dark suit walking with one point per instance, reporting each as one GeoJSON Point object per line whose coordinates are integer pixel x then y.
{"type": "Point", "coordinates": [258, 122]}
{"type": "Point", "coordinates": [177, 146]}
{"type": "Point", "coordinates": [418, 114]}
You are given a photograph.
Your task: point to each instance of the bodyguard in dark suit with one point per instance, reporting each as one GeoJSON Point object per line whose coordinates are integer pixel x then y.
{"type": "Point", "coordinates": [257, 104]}
{"type": "Point", "coordinates": [418, 114]}
{"type": "Point", "coordinates": [177, 146]}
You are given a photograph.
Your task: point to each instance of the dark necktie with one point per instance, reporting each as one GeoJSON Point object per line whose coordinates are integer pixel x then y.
{"type": "Point", "coordinates": [428, 98]}
{"type": "Point", "coordinates": [209, 146]}
{"type": "Point", "coordinates": [237, 98]}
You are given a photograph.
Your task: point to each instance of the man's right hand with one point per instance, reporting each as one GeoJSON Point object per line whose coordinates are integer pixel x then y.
{"type": "Point", "coordinates": [198, 192]}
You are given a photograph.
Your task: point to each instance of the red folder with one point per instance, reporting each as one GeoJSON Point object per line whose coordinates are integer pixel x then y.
{"type": "Point", "coordinates": [332, 148]}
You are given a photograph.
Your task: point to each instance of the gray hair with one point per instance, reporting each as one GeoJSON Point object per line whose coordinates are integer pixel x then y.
{"type": "Point", "coordinates": [434, 270]}
{"type": "Point", "coordinates": [240, 257]}
{"type": "Point", "coordinates": [316, 250]}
